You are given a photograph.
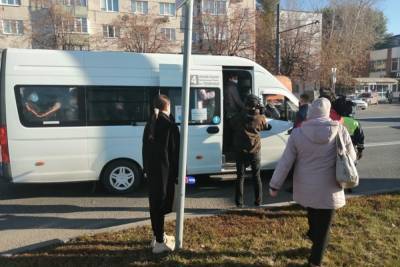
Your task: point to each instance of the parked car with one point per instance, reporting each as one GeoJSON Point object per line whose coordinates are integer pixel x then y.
{"type": "Point", "coordinates": [359, 103]}
{"type": "Point", "coordinates": [370, 98]}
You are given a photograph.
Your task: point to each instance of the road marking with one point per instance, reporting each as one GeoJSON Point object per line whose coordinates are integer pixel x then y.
{"type": "Point", "coordinates": [382, 144]}
{"type": "Point", "coordinates": [380, 117]}
{"type": "Point", "coordinates": [378, 127]}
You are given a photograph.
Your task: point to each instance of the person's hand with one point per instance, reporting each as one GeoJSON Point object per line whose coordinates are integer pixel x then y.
{"type": "Point", "coordinates": [359, 155]}
{"type": "Point", "coordinates": [273, 193]}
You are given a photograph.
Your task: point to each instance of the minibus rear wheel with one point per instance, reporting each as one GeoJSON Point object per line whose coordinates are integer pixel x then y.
{"type": "Point", "coordinates": [121, 176]}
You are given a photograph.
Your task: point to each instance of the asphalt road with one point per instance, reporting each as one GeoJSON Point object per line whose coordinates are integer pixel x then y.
{"type": "Point", "coordinates": [37, 214]}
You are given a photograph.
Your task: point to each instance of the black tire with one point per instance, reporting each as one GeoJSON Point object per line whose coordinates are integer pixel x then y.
{"type": "Point", "coordinates": [129, 173]}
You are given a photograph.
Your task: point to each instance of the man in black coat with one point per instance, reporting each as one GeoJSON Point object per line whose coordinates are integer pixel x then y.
{"type": "Point", "coordinates": [160, 163]}
{"type": "Point", "coordinates": [233, 105]}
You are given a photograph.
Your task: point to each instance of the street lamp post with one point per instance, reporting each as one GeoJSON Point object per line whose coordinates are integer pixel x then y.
{"type": "Point", "coordinates": [277, 41]}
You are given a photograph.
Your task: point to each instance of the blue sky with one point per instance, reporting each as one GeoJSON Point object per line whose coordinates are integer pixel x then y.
{"type": "Point", "coordinates": [391, 9]}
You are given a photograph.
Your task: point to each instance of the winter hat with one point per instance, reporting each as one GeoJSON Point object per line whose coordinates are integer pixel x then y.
{"type": "Point", "coordinates": [320, 108]}
{"type": "Point", "coordinates": [252, 101]}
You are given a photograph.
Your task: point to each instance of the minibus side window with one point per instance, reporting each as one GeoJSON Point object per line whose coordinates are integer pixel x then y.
{"type": "Point", "coordinates": [49, 106]}
{"type": "Point", "coordinates": [110, 105]}
{"type": "Point", "coordinates": [279, 107]}
{"type": "Point", "coordinates": [204, 107]}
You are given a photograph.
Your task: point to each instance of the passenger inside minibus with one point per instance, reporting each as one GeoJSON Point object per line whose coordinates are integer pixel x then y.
{"type": "Point", "coordinates": [241, 81]}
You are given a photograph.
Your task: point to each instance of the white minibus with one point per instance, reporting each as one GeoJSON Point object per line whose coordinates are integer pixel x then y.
{"type": "Point", "coordinates": [68, 116]}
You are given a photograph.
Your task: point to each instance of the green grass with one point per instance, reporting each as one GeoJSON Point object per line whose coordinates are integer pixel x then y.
{"type": "Point", "coordinates": [365, 233]}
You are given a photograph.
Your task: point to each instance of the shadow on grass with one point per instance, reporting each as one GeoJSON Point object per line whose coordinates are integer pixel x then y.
{"type": "Point", "coordinates": [296, 253]}
{"type": "Point", "coordinates": [275, 212]}
{"type": "Point", "coordinates": [132, 257]}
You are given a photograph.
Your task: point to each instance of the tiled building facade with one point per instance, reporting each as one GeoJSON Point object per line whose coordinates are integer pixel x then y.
{"type": "Point", "coordinates": [127, 25]}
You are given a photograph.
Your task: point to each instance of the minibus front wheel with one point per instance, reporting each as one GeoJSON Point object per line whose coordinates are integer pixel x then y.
{"type": "Point", "coordinates": [121, 176]}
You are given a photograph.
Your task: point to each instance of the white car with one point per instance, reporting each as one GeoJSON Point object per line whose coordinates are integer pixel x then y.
{"type": "Point", "coordinates": [360, 104]}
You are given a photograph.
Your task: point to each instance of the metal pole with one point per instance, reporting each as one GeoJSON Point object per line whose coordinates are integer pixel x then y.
{"type": "Point", "coordinates": [277, 42]}
{"type": "Point", "coordinates": [184, 123]}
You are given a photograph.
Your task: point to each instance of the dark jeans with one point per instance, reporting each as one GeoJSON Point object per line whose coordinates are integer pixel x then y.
{"type": "Point", "coordinates": [243, 159]}
{"type": "Point", "coordinates": [157, 217]}
{"type": "Point", "coordinates": [319, 222]}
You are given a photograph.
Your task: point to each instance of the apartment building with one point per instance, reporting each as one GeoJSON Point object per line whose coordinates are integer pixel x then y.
{"type": "Point", "coordinates": [385, 63]}
{"type": "Point", "coordinates": [128, 25]}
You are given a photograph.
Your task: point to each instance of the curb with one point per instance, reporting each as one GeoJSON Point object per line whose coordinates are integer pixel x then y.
{"type": "Point", "coordinates": [169, 217]}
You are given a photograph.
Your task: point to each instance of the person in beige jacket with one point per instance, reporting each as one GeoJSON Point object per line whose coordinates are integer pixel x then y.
{"type": "Point", "coordinates": [312, 150]}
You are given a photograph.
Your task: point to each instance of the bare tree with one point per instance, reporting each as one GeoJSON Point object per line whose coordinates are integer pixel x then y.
{"type": "Point", "coordinates": [55, 27]}
{"type": "Point", "coordinates": [300, 45]}
{"type": "Point", "coordinates": [226, 34]}
{"type": "Point", "coordinates": [351, 29]}
{"type": "Point", "coordinates": [140, 33]}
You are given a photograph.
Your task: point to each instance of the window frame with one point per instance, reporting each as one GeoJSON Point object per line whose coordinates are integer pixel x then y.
{"type": "Point", "coordinates": [104, 6]}
{"type": "Point", "coordinates": [18, 25]}
{"type": "Point", "coordinates": [397, 62]}
{"type": "Point", "coordinates": [149, 90]}
{"type": "Point", "coordinates": [218, 92]}
{"type": "Point", "coordinates": [115, 30]}
{"type": "Point", "coordinates": [72, 25]}
{"type": "Point", "coordinates": [134, 7]}
{"type": "Point", "coordinates": [171, 11]}
{"type": "Point", "coordinates": [213, 7]}
{"type": "Point", "coordinates": [286, 103]}
{"type": "Point", "coordinates": [83, 104]}
{"type": "Point", "coordinates": [15, 3]}
{"type": "Point", "coordinates": [51, 123]}
{"type": "Point", "coordinates": [169, 32]}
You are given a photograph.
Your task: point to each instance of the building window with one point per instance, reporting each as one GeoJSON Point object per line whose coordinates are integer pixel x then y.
{"type": "Point", "coordinates": [140, 7]}
{"type": "Point", "coordinates": [80, 2]}
{"type": "Point", "coordinates": [167, 9]}
{"type": "Point", "coordinates": [77, 25]}
{"type": "Point", "coordinates": [109, 5]}
{"type": "Point", "coordinates": [10, 2]}
{"type": "Point", "coordinates": [168, 34]}
{"type": "Point", "coordinates": [214, 7]}
{"type": "Point", "coordinates": [67, 2]}
{"type": "Point", "coordinates": [378, 65]}
{"type": "Point", "coordinates": [110, 31]}
{"type": "Point", "coordinates": [395, 64]}
{"type": "Point", "coordinates": [13, 27]}
{"type": "Point", "coordinates": [213, 32]}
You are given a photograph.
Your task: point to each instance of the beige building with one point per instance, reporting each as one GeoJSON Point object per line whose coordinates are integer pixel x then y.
{"type": "Point", "coordinates": [127, 25]}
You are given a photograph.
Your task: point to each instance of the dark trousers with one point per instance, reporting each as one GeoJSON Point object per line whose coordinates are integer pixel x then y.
{"type": "Point", "coordinates": [319, 222]}
{"type": "Point", "coordinates": [157, 217]}
{"type": "Point", "coordinates": [242, 159]}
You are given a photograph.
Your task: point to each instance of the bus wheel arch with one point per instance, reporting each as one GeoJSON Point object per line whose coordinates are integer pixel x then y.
{"type": "Point", "coordinates": [121, 176]}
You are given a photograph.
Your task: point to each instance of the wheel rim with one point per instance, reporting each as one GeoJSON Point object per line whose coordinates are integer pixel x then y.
{"type": "Point", "coordinates": [122, 178]}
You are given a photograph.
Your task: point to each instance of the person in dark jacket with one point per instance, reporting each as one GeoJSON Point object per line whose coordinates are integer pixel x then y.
{"type": "Point", "coordinates": [303, 108]}
{"type": "Point", "coordinates": [247, 144]}
{"type": "Point", "coordinates": [233, 104]}
{"type": "Point", "coordinates": [345, 109]}
{"type": "Point", "coordinates": [160, 163]}
{"type": "Point", "coordinates": [328, 94]}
